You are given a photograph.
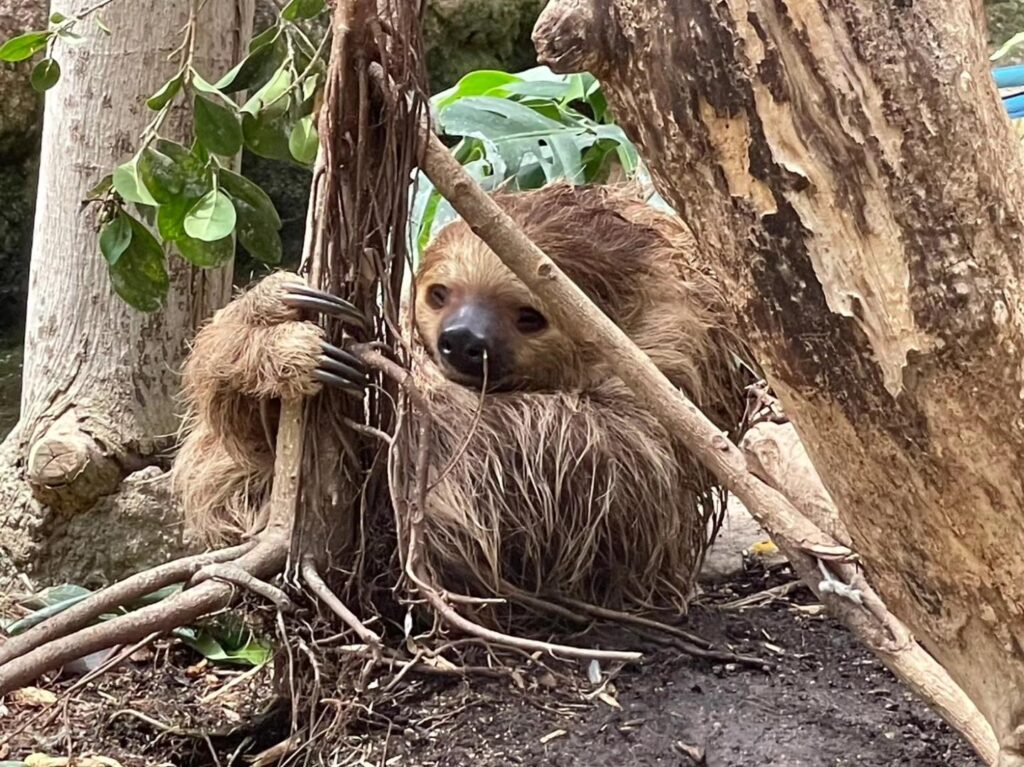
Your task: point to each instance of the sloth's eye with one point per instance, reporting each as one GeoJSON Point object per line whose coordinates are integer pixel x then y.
{"type": "Point", "coordinates": [530, 321]}
{"type": "Point", "coordinates": [437, 296]}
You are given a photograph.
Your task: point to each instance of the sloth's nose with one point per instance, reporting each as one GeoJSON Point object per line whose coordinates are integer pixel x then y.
{"type": "Point", "coordinates": [465, 349]}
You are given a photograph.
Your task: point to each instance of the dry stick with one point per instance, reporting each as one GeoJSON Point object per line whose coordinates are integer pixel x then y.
{"type": "Point", "coordinates": [265, 559]}
{"type": "Point", "coordinates": [562, 299]}
{"type": "Point", "coordinates": [319, 587]}
{"type": "Point", "coordinates": [775, 454]}
{"type": "Point", "coordinates": [109, 599]}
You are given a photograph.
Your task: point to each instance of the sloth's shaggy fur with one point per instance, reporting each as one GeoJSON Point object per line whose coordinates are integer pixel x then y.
{"type": "Point", "coordinates": [562, 485]}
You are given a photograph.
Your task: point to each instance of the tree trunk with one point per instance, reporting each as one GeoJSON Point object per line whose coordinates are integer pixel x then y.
{"type": "Point", "coordinates": [853, 178]}
{"type": "Point", "coordinates": [82, 486]}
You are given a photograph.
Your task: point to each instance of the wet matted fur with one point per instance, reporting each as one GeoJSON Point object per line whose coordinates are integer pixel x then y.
{"type": "Point", "coordinates": [562, 485]}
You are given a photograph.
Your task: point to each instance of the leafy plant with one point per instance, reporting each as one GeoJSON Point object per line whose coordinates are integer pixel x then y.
{"type": "Point", "coordinates": [186, 198]}
{"type": "Point", "coordinates": [523, 131]}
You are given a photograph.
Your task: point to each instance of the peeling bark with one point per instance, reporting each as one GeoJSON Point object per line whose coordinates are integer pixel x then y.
{"type": "Point", "coordinates": [850, 173]}
{"type": "Point", "coordinates": [99, 377]}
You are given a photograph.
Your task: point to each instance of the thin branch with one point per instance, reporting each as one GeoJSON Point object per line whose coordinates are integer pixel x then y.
{"type": "Point", "coordinates": [236, 576]}
{"type": "Point", "coordinates": [319, 587]}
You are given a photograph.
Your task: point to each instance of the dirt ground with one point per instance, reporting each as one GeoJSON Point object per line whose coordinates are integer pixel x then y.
{"type": "Point", "coordinates": [825, 701]}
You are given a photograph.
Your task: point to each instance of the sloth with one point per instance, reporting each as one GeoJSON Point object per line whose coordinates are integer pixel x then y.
{"type": "Point", "coordinates": [547, 477]}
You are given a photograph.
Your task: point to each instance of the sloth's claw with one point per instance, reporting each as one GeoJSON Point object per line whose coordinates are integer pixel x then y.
{"type": "Point", "coordinates": [330, 379]}
{"type": "Point", "coordinates": [342, 370]}
{"type": "Point", "coordinates": [344, 357]}
{"type": "Point", "coordinates": [304, 297]}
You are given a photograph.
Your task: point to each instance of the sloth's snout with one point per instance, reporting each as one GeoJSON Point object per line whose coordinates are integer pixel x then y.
{"type": "Point", "coordinates": [469, 340]}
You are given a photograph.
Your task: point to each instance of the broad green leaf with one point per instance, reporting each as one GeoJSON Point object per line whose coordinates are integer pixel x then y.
{"type": "Point", "coordinates": [212, 218]}
{"type": "Point", "coordinates": [196, 176]}
{"type": "Point", "coordinates": [24, 46]}
{"type": "Point", "coordinates": [303, 142]}
{"type": "Point", "coordinates": [170, 218]}
{"type": "Point", "coordinates": [268, 35]}
{"type": "Point", "coordinates": [45, 75]}
{"type": "Point", "coordinates": [203, 85]}
{"type": "Point", "coordinates": [302, 9]}
{"type": "Point", "coordinates": [140, 275]}
{"type": "Point", "coordinates": [206, 255]}
{"type": "Point", "coordinates": [241, 188]}
{"type": "Point", "coordinates": [167, 92]}
{"type": "Point", "coordinates": [257, 233]}
{"type": "Point", "coordinates": [256, 69]}
{"type": "Point", "coordinates": [103, 186]}
{"type": "Point", "coordinates": [161, 176]}
{"type": "Point", "coordinates": [115, 237]}
{"type": "Point", "coordinates": [54, 595]}
{"type": "Point", "coordinates": [57, 17]}
{"type": "Point", "coordinates": [129, 185]}
{"type": "Point", "coordinates": [267, 136]}
{"type": "Point", "coordinates": [217, 127]}
{"type": "Point", "coordinates": [269, 98]}
{"type": "Point", "coordinates": [484, 81]}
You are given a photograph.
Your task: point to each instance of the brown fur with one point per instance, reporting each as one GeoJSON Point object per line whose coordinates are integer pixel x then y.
{"type": "Point", "coordinates": [563, 485]}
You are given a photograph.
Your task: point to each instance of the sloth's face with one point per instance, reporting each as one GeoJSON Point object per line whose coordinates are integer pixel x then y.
{"type": "Point", "coordinates": [482, 325]}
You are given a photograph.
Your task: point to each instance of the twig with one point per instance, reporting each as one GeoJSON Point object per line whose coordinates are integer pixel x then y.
{"type": "Point", "coordinates": [768, 595]}
{"type": "Point", "coordinates": [319, 587]}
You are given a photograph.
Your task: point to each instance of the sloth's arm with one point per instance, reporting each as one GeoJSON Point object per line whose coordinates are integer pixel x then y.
{"type": "Point", "coordinates": [260, 346]}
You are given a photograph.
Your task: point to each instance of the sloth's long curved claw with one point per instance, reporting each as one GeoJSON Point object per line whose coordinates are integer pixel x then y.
{"type": "Point", "coordinates": [344, 357]}
{"type": "Point", "coordinates": [305, 297]}
{"type": "Point", "coordinates": [342, 370]}
{"type": "Point", "coordinates": [330, 379]}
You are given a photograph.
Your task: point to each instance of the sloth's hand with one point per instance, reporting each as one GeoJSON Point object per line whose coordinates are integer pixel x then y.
{"type": "Point", "coordinates": [264, 345]}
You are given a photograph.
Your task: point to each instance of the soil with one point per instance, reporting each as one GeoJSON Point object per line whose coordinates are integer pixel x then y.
{"type": "Point", "coordinates": [825, 701]}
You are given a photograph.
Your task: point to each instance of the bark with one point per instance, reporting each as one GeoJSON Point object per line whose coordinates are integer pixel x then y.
{"type": "Point", "coordinates": [850, 173]}
{"type": "Point", "coordinates": [99, 377]}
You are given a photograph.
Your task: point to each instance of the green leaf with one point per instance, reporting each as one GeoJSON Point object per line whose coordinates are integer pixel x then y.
{"type": "Point", "coordinates": [128, 184]}
{"type": "Point", "coordinates": [484, 81]}
{"type": "Point", "coordinates": [65, 34]}
{"type": "Point", "coordinates": [212, 218]}
{"type": "Point", "coordinates": [302, 9]}
{"type": "Point", "coordinates": [217, 127]}
{"type": "Point", "coordinates": [140, 276]}
{"type": "Point", "coordinates": [45, 75]}
{"type": "Point", "coordinates": [303, 142]}
{"type": "Point", "coordinates": [170, 218]}
{"type": "Point", "coordinates": [171, 173]}
{"type": "Point", "coordinates": [257, 233]}
{"type": "Point", "coordinates": [256, 69]}
{"type": "Point", "coordinates": [167, 92]}
{"type": "Point", "coordinates": [241, 188]}
{"type": "Point", "coordinates": [115, 237]}
{"type": "Point", "coordinates": [226, 641]}
{"type": "Point", "coordinates": [103, 27]}
{"type": "Point", "coordinates": [268, 35]}
{"type": "Point", "coordinates": [267, 135]}
{"type": "Point", "coordinates": [57, 18]}
{"type": "Point", "coordinates": [271, 95]}
{"type": "Point", "coordinates": [101, 188]}
{"type": "Point", "coordinates": [203, 85]}
{"type": "Point", "coordinates": [24, 46]}
{"type": "Point", "coordinates": [206, 255]}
